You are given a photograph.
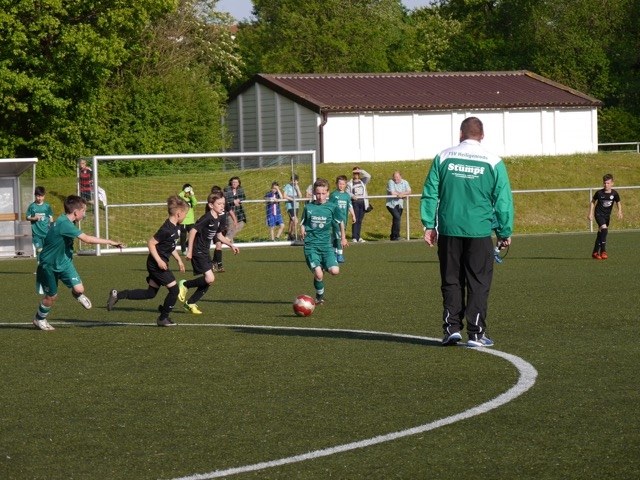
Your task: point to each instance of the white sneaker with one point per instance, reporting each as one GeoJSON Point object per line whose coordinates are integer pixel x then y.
{"type": "Point", "coordinates": [362, 240]}
{"type": "Point", "coordinates": [84, 301]}
{"type": "Point", "coordinates": [42, 324]}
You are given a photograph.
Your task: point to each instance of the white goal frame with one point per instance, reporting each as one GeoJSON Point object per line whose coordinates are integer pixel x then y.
{"type": "Point", "coordinates": [96, 186]}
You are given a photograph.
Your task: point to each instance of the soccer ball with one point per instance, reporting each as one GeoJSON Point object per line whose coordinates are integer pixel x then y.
{"type": "Point", "coordinates": [303, 305]}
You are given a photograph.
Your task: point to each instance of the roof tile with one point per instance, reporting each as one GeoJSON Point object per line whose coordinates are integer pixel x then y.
{"type": "Point", "coordinates": [422, 91]}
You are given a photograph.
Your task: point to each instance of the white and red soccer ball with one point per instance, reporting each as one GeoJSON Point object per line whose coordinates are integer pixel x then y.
{"type": "Point", "coordinates": [303, 305]}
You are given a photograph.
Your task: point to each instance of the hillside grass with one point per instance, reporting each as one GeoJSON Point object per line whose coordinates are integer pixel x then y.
{"type": "Point", "coordinates": [535, 212]}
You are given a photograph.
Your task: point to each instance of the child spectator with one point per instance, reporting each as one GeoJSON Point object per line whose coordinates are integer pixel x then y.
{"type": "Point", "coordinates": [318, 219]}
{"type": "Point", "coordinates": [85, 182]}
{"type": "Point", "coordinates": [274, 215]}
{"type": "Point", "coordinates": [161, 246]}
{"type": "Point", "coordinates": [292, 194]}
{"type": "Point", "coordinates": [56, 259]}
{"type": "Point", "coordinates": [234, 194]}
{"type": "Point", "coordinates": [40, 215]}
{"type": "Point", "coordinates": [207, 228]}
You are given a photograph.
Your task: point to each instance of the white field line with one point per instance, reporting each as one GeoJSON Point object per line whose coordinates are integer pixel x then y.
{"type": "Point", "coordinates": [525, 381]}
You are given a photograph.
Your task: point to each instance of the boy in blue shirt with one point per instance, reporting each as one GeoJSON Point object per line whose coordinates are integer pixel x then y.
{"type": "Point", "coordinates": [274, 215]}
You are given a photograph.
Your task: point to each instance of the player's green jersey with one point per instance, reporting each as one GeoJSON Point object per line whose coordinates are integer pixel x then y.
{"type": "Point", "coordinates": [57, 253]}
{"type": "Point", "coordinates": [343, 200]}
{"type": "Point", "coordinates": [40, 228]}
{"type": "Point", "coordinates": [318, 220]}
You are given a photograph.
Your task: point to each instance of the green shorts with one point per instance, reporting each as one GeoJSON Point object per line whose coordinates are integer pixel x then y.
{"type": "Point", "coordinates": [323, 257]}
{"type": "Point", "coordinates": [48, 279]}
{"type": "Point", "coordinates": [38, 243]}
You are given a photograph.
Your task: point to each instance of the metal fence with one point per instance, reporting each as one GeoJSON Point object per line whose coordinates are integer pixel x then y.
{"type": "Point", "coordinates": [413, 201]}
{"type": "Point", "coordinates": [615, 147]}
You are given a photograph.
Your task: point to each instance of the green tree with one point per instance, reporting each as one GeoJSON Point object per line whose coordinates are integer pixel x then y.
{"type": "Point", "coordinates": [55, 59]}
{"type": "Point", "coordinates": [170, 98]}
{"type": "Point", "coordinates": [324, 36]}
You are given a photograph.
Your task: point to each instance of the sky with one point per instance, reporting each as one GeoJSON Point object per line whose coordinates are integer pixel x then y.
{"type": "Point", "coordinates": [241, 9]}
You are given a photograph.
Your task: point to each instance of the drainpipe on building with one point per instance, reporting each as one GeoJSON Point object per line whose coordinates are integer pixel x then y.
{"type": "Point", "coordinates": [321, 134]}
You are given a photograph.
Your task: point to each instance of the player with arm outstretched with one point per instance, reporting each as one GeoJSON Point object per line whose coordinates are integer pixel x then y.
{"type": "Point", "coordinates": [56, 259]}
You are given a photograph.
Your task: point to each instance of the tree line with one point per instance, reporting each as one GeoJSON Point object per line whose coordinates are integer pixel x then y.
{"type": "Point", "coordinates": [80, 78]}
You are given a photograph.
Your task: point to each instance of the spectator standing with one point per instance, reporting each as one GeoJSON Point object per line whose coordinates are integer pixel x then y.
{"type": "Point", "coordinates": [234, 195]}
{"type": "Point", "coordinates": [85, 182]}
{"type": "Point", "coordinates": [464, 186]}
{"type": "Point", "coordinates": [274, 214]}
{"type": "Point", "coordinates": [397, 189]}
{"type": "Point", "coordinates": [357, 188]}
{"type": "Point", "coordinates": [292, 194]}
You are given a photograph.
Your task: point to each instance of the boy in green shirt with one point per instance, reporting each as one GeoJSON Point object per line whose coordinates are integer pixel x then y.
{"type": "Point", "coordinates": [40, 215]}
{"type": "Point", "coordinates": [56, 259]}
{"type": "Point", "coordinates": [318, 219]}
{"type": "Point", "coordinates": [342, 198]}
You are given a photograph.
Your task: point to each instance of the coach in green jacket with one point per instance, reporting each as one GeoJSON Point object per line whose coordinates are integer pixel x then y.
{"type": "Point", "coordinates": [463, 188]}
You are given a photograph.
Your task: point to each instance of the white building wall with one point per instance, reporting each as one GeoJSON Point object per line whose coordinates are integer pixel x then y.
{"type": "Point", "coordinates": [261, 119]}
{"type": "Point", "coordinates": [360, 137]}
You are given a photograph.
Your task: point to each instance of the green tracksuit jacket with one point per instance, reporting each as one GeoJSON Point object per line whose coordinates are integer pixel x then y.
{"type": "Point", "coordinates": [463, 188]}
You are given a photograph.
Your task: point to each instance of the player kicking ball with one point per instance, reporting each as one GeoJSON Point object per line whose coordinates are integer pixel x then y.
{"type": "Point", "coordinates": [318, 219]}
{"type": "Point", "coordinates": [208, 228]}
{"type": "Point", "coordinates": [56, 260]}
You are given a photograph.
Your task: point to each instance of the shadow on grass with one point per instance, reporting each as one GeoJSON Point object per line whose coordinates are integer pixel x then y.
{"type": "Point", "coordinates": [335, 334]}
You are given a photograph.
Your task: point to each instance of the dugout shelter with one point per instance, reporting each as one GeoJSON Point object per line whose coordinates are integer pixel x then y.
{"type": "Point", "coordinates": [354, 117]}
{"type": "Point", "coordinates": [17, 183]}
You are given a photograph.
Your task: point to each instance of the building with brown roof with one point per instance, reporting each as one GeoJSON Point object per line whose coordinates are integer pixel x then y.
{"type": "Point", "coordinates": [355, 117]}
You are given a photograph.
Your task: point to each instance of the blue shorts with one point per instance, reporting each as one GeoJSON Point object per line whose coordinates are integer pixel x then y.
{"type": "Point", "coordinates": [274, 220]}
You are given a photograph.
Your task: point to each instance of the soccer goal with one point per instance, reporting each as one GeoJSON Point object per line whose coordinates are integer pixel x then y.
{"type": "Point", "coordinates": [130, 191]}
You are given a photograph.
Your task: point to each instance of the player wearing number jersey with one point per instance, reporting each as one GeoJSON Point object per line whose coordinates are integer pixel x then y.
{"type": "Point", "coordinates": [602, 205]}
{"type": "Point", "coordinates": [342, 199]}
{"type": "Point", "coordinates": [161, 246]}
{"type": "Point", "coordinates": [318, 219]}
{"type": "Point", "coordinates": [207, 229]}
{"type": "Point", "coordinates": [56, 260]}
{"type": "Point", "coordinates": [40, 215]}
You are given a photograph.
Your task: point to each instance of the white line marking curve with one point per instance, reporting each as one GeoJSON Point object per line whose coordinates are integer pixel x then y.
{"type": "Point", "coordinates": [526, 380]}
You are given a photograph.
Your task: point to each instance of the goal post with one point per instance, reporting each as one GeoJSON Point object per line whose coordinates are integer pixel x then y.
{"type": "Point", "coordinates": [130, 191]}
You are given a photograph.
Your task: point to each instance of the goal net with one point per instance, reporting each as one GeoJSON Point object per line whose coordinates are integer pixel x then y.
{"type": "Point", "coordinates": [130, 191]}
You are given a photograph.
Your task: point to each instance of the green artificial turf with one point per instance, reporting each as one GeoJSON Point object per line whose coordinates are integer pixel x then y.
{"type": "Point", "coordinates": [109, 395]}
